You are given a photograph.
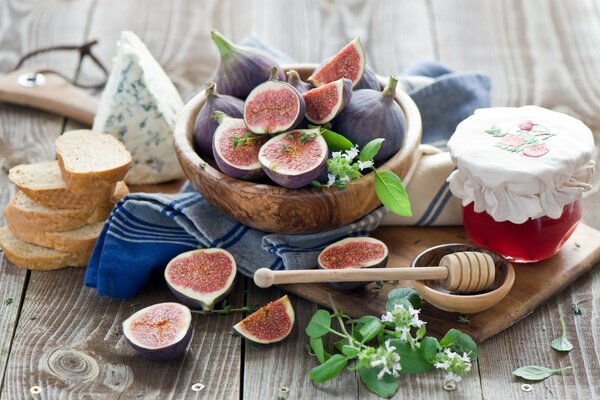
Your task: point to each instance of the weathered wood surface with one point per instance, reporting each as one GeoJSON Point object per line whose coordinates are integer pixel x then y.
{"type": "Point", "coordinates": [543, 52]}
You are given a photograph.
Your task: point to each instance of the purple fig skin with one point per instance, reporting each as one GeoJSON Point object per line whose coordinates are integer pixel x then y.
{"type": "Point", "coordinates": [371, 114]}
{"type": "Point", "coordinates": [241, 68]}
{"type": "Point", "coordinates": [368, 81]}
{"type": "Point", "coordinates": [205, 125]}
{"type": "Point", "coordinates": [299, 180]}
{"type": "Point", "coordinates": [294, 80]}
{"type": "Point", "coordinates": [347, 94]}
{"type": "Point", "coordinates": [227, 122]}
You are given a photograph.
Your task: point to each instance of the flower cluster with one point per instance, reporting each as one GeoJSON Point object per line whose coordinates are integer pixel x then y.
{"type": "Point", "coordinates": [402, 319]}
{"type": "Point", "coordinates": [454, 364]}
{"type": "Point", "coordinates": [343, 168]}
{"type": "Point", "coordinates": [385, 357]}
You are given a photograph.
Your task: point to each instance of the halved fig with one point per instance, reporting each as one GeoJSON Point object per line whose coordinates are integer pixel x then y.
{"type": "Point", "coordinates": [273, 107]}
{"type": "Point", "coordinates": [348, 63]}
{"type": "Point", "coordinates": [269, 324]}
{"type": "Point", "coordinates": [201, 278]}
{"type": "Point", "coordinates": [353, 252]}
{"type": "Point", "coordinates": [294, 159]}
{"type": "Point", "coordinates": [235, 148]}
{"type": "Point", "coordinates": [159, 332]}
{"type": "Point", "coordinates": [325, 102]}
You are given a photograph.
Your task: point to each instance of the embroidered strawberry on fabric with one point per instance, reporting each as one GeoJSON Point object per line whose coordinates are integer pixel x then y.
{"type": "Point", "coordinates": [528, 139]}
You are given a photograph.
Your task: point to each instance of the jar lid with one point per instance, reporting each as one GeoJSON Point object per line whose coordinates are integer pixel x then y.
{"type": "Point", "coordinates": [520, 163]}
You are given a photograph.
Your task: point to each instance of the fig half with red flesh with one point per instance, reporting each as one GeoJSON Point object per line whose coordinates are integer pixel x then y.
{"type": "Point", "coordinates": [294, 159]}
{"type": "Point", "coordinates": [273, 107]}
{"type": "Point", "coordinates": [201, 278]}
{"type": "Point", "coordinates": [325, 102]}
{"type": "Point", "coordinates": [353, 252]}
{"type": "Point", "coordinates": [159, 332]}
{"type": "Point", "coordinates": [269, 324]}
{"type": "Point", "coordinates": [348, 63]}
{"type": "Point", "coordinates": [235, 148]}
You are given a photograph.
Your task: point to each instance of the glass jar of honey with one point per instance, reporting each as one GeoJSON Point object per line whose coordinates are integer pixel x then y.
{"type": "Point", "coordinates": [520, 175]}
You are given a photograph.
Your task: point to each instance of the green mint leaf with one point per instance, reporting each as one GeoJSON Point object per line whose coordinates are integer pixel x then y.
{"type": "Point", "coordinates": [404, 296]}
{"type": "Point", "coordinates": [319, 325]}
{"type": "Point", "coordinates": [316, 184]}
{"type": "Point", "coordinates": [421, 332]}
{"type": "Point", "coordinates": [411, 359]}
{"type": "Point", "coordinates": [385, 387]}
{"type": "Point", "coordinates": [349, 351]}
{"type": "Point", "coordinates": [561, 343]}
{"type": "Point", "coordinates": [460, 342]}
{"type": "Point", "coordinates": [391, 193]}
{"type": "Point", "coordinates": [335, 141]}
{"type": "Point", "coordinates": [536, 373]}
{"type": "Point", "coordinates": [370, 150]}
{"type": "Point", "coordinates": [367, 328]}
{"type": "Point", "coordinates": [329, 369]}
{"type": "Point", "coordinates": [428, 348]}
{"type": "Point", "coordinates": [316, 344]}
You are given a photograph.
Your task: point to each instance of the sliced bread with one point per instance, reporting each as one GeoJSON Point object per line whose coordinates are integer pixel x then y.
{"type": "Point", "coordinates": [80, 240]}
{"type": "Point", "coordinates": [30, 256]}
{"type": "Point", "coordinates": [88, 159]}
{"type": "Point", "coordinates": [43, 183]}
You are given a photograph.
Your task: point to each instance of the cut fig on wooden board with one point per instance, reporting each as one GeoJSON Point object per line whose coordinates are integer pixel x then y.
{"type": "Point", "coordinates": [235, 148]}
{"type": "Point", "coordinates": [269, 324]}
{"type": "Point", "coordinates": [294, 159]}
{"type": "Point", "coordinates": [353, 252]}
{"type": "Point", "coordinates": [201, 278]}
{"type": "Point", "coordinates": [159, 332]}
{"type": "Point", "coordinates": [348, 63]}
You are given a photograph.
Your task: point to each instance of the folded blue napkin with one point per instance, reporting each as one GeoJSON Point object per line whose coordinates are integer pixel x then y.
{"type": "Point", "coordinates": [145, 231]}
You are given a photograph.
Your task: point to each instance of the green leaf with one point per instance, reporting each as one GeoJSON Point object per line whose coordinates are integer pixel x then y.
{"type": "Point", "coordinates": [367, 328]}
{"type": "Point", "coordinates": [329, 369]}
{"type": "Point", "coordinates": [350, 351]}
{"type": "Point", "coordinates": [335, 141]}
{"type": "Point", "coordinates": [319, 325]}
{"type": "Point", "coordinates": [339, 345]}
{"type": "Point", "coordinates": [391, 193]}
{"type": "Point", "coordinates": [536, 373]}
{"type": "Point", "coordinates": [428, 348]}
{"type": "Point", "coordinates": [411, 359]}
{"type": "Point", "coordinates": [421, 332]}
{"type": "Point", "coordinates": [370, 150]}
{"type": "Point", "coordinates": [460, 342]}
{"type": "Point", "coordinates": [404, 296]}
{"type": "Point", "coordinates": [385, 387]}
{"type": "Point", "coordinates": [316, 344]}
{"type": "Point", "coordinates": [562, 343]}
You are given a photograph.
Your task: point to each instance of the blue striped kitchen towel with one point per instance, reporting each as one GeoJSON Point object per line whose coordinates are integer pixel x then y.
{"type": "Point", "coordinates": [144, 231]}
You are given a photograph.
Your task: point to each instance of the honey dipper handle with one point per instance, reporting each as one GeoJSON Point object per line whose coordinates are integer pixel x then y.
{"type": "Point", "coordinates": [265, 277]}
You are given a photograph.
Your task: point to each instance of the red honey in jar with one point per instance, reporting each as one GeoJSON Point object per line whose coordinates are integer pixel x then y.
{"type": "Point", "coordinates": [520, 175]}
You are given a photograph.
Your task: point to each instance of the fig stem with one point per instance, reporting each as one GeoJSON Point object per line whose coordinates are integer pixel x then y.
{"type": "Point", "coordinates": [293, 76]}
{"type": "Point", "coordinates": [223, 45]}
{"type": "Point", "coordinates": [390, 89]}
{"type": "Point", "coordinates": [211, 89]}
{"type": "Point", "coordinates": [219, 116]}
{"type": "Point", "coordinates": [274, 74]}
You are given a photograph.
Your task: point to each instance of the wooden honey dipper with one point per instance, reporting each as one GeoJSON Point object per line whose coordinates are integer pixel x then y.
{"type": "Point", "coordinates": [461, 272]}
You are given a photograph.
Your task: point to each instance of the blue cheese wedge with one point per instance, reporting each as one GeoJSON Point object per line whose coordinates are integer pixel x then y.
{"type": "Point", "coordinates": [139, 106]}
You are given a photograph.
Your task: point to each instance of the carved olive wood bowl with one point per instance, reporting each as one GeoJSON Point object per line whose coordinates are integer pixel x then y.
{"type": "Point", "coordinates": [437, 296]}
{"type": "Point", "coordinates": [273, 208]}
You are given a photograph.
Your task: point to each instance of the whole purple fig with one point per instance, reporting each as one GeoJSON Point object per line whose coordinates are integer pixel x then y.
{"type": "Point", "coordinates": [205, 126]}
{"type": "Point", "coordinates": [368, 81]}
{"type": "Point", "coordinates": [296, 82]}
{"type": "Point", "coordinates": [241, 68]}
{"type": "Point", "coordinates": [372, 114]}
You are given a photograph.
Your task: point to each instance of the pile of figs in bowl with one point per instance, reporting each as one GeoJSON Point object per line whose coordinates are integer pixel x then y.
{"type": "Point", "coordinates": [250, 143]}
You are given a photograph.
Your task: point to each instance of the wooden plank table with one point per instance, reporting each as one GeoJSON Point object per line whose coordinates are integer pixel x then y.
{"type": "Point", "coordinates": [57, 334]}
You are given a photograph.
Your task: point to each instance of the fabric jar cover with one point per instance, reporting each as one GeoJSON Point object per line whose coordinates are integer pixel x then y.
{"type": "Point", "coordinates": [520, 163]}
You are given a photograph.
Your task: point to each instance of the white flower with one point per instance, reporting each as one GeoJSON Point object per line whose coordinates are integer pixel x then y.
{"type": "Point", "coordinates": [453, 363]}
{"type": "Point", "coordinates": [336, 154]}
{"type": "Point", "coordinates": [452, 377]}
{"type": "Point", "coordinates": [386, 358]}
{"type": "Point", "coordinates": [387, 317]}
{"type": "Point", "coordinates": [330, 179]}
{"type": "Point", "coordinates": [442, 365]}
{"type": "Point", "coordinates": [404, 332]}
{"type": "Point", "coordinates": [364, 164]}
{"type": "Point", "coordinates": [351, 154]}
{"type": "Point", "coordinates": [345, 179]}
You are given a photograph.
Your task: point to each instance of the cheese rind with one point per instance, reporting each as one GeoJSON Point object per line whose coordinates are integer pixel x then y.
{"type": "Point", "coordinates": [139, 106]}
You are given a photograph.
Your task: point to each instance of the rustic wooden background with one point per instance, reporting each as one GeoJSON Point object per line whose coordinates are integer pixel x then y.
{"type": "Point", "coordinates": [60, 336]}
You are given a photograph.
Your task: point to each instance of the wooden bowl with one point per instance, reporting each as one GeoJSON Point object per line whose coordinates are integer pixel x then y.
{"type": "Point", "coordinates": [441, 298]}
{"type": "Point", "coordinates": [273, 208]}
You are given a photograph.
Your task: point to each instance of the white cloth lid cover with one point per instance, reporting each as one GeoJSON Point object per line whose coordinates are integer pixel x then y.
{"type": "Point", "coordinates": [520, 163]}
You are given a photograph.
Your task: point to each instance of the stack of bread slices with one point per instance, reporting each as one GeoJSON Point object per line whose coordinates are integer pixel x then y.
{"type": "Point", "coordinates": [55, 218]}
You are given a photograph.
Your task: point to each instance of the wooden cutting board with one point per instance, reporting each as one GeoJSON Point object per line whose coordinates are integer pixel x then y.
{"type": "Point", "coordinates": [534, 283]}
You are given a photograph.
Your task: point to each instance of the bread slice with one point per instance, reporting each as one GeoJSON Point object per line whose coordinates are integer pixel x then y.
{"type": "Point", "coordinates": [30, 256]}
{"type": "Point", "coordinates": [80, 240]}
{"type": "Point", "coordinates": [43, 183]}
{"type": "Point", "coordinates": [88, 159]}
